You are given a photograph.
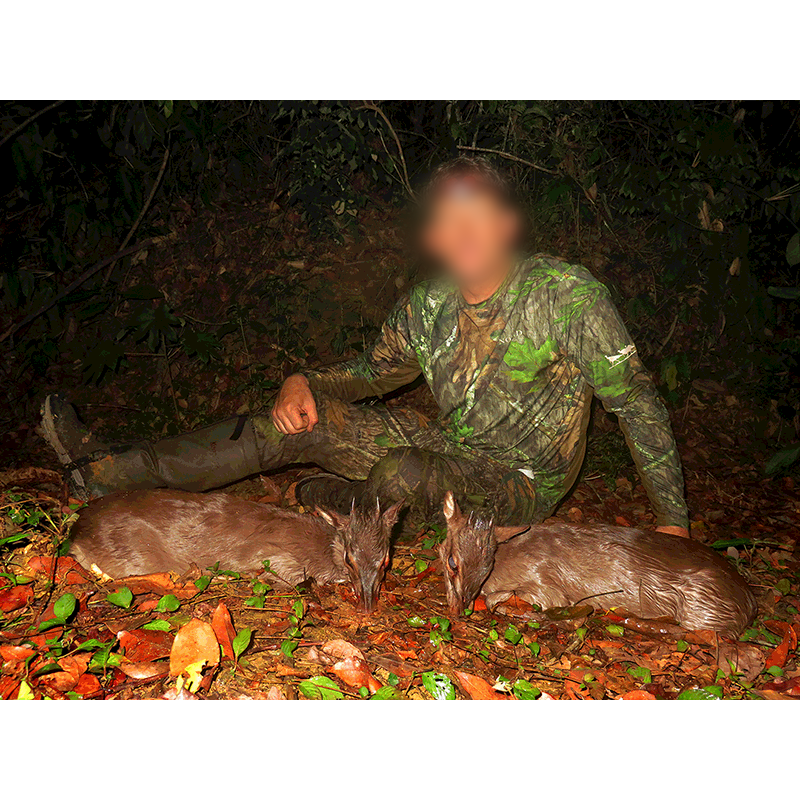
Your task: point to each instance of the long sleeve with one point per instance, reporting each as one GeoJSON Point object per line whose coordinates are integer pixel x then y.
{"type": "Point", "coordinates": [390, 363]}
{"type": "Point", "coordinates": [590, 333]}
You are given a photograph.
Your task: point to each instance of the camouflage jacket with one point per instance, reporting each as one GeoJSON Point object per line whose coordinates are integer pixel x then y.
{"type": "Point", "coordinates": [514, 375]}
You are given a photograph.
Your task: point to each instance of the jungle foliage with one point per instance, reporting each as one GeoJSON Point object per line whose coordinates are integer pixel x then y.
{"type": "Point", "coordinates": [716, 184]}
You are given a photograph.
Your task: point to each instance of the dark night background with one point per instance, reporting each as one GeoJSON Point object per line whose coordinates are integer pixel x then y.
{"type": "Point", "coordinates": [260, 236]}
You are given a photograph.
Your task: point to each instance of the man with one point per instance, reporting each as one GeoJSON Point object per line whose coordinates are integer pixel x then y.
{"type": "Point", "coordinates": [512, 349]}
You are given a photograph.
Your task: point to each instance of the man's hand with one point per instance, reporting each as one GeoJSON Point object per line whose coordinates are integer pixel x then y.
{"type": "Point", "coordinates": [674, 530]}
{"type": "Point", "coordinates": [295, 410]}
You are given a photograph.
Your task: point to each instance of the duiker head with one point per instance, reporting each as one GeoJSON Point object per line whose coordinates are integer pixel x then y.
{"type": "Point", "coordinates": [467, 553]}
{"type": "Point", "coordinates": [366, 537]}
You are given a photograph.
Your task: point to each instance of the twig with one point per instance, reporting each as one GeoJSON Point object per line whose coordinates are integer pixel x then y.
{"type": "Point", "coordinates": [669, 336]}
{"type": "Point", "coordinates": [75, 284]}
{"type": "Point", "coordinates": [141, 213]}
{"type": "Point", "coordinates": [509, 156]}
{"type": "Point", "coordinates": [169, 379]}
{"type": "Point", "coordinates": [27, 121]}
{"type": "Point", "coordinates": [370, 106]}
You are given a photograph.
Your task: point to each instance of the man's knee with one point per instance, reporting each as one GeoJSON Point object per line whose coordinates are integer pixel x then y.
{"type": "Point", "coordinates": [401, 469]}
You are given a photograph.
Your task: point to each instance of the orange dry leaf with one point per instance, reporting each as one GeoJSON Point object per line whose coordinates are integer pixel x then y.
{"type": "Point", "coordinates": [72, 668]}
{"type": "Point", "coordinates": [87, 684]}
{"type": "Point", "coordinates": [354, 672]}
{"type": "Point", "coordinates": [14, 598]}
{"type": "Point", "coordinates": [637, 694]}
{"type": "Point", "coordinates": [341, 649]}
{"type": "Point", "coordinates": [777, 658]}
{"type": "Point", "coordinates": [477, 688]}
{"type": "Point", "coordinates": [8, 687]}
{"type": "Point", "coordinates": [142, 645]}
{"type": "Point", "coordinates": [68, 570]}
{"type": "Point", "coordinates": [194, 642]}
{"type": "Point", "coordinates": [10, 652]}
{"type": "Point", "coordinates": [158, 583]}
{"type": "Point", "coordinates": [141, 670]}
{"type": "Point", "coordinates": [479, 604]}
{"type": "Point", "coordinates": [224, 630]}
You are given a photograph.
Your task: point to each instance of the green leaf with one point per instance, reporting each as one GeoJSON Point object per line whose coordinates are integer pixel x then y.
{"type": "Point", "coordinates": [783, 586]}
{"type": "Point", "coordinates": [682, 646]}
{"type": "Point", "coordinates": [320, 687]}
{"type": "Point", "coordinates": [713, 692]}
{"type": "Point", "coordinates": [535, 649]}
{"type": "Point", "coordinates": [420, 565]}
{"type": "Point", "coordinates": [242, 641]}
{"type": "Point", "coordinates": [157, 625]}
{"type": "Point", "coordinates": [783, 459]}
{"type": "Point", "coordinates": [168, 603]}
{"type": "Point", "coordinates": [254, 602]}
{"type": "Point", "coordinates": [524, 690]}
{"type": "Point", "coordinates": [512, 635]}
{"type": "Point", "coordinates": [416, 622]}
{"type": "Point", "coordinates": [64, 607]}
{"type": "Point", "coordinates": [201, 584]}
{"type": "Point", "coordinates": [793, 250]}
{"type": "Point", "coordinates": [775, 671]}
{"type": "Point", "coordinates": [439, 686]}
{"type": "Point", "coordinates": [644, 674]}
{"type": "Point", "coordinates": [288, 646]}
{"type": "Point", "coordinates": [387, 693]}
{"type": "Point", "coordinates": [298, 609]}
{"type": "Point", "coordinates": [90, 644]}
{"type": "Point", "coordinates": [123, 598]}
{"type": "Point", "coordinates": [615, 630]}
{"type": "Point", "coordinates": [363, 691]}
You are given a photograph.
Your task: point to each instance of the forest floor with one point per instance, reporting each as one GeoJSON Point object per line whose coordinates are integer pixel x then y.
{"type": "Point", "coordinates": [64, 634]}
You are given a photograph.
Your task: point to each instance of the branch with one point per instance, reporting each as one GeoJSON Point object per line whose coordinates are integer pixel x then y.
{"type": "Point", "coordinates": [509, 156]}
{"type": "Point", "coordinates": [75, 284]}
{"type": "Point", "coordinates": [27, 121]}
{"type": "Point", "coordinates": [370, 106]}
{"type": "Point", "coordinates": [142, 212]}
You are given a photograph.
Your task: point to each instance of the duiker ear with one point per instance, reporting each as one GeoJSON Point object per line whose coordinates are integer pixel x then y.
{"type": "Point", "coordinates": [333, 518]}
{"type": "Point", "coordinates": [389, 517]}
{"type": "Point", "coordinates": [450, 507]}
{"type": "Point", "coordinates": [505, 532]}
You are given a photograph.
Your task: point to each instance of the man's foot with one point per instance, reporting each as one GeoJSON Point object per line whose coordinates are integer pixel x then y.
{"type": "Point", "coordinates": [326, 491]}
{"type": "Point", "coordinates": [72, 441]}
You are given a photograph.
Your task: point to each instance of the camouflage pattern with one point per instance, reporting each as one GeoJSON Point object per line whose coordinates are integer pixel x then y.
{"type": "Point", "coordinates": [513, 378]}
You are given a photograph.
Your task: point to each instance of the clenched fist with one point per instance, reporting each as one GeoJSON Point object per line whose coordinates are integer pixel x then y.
{"type": "Point", "coordinates": [295, 410]}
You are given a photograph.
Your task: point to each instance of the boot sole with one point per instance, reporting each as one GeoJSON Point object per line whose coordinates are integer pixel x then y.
{"type": "Point", "coordinates": [49, 432]}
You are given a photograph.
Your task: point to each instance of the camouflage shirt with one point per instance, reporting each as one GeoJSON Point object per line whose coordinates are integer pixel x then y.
{"type": "Point", "coordinates": [513, 376]}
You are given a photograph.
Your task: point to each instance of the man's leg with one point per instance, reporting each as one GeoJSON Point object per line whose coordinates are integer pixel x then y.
{"type": "Point", "coordinates": [424, 475]}
{"type": "Point", "coordinates": [348, 440]}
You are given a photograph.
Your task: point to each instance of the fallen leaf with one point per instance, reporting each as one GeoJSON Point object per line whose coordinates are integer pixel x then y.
{"type": "Point", "coordinates": [10, 652]}
{"type": "Point", "coordinates": [355, 672]}
{"type": "Point", "coordinates": [9, 687]}
{"type": "Point", "coordinates": [746, 660]}
{"type": "Point", "coordinates": [68, 570]}
{"type": "Point", "coordinates": [14, 598]}
{"type": "Point", "coordinates": [194, 642]}
{"type": "Point", "coordinates": [142, 645]}
{"type": "Point", "coordinates": [637, 694]}
{"type": "Point", "coordinates": [141, 670]}
{"type": "Point", "coordinates": [88, 684]}
{"type": "Point", "coordinates": [477, 688]}
{"type": "Point", "coordinates": [777, 658]}
{"type": "Point", "coordinates": [340, 649]}
{"type": "Point", "coordinates": [224, 630]}
{"type": "Point", "coordinates": [276, 693]}
{"type": "Point", "coordinates": [479, 604]}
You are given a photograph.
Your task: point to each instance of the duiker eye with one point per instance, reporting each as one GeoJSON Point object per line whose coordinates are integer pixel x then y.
{"type": "Point", "coordinates": [451, 562]}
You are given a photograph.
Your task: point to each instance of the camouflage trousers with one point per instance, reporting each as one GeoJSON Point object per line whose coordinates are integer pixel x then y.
{"type": "Point", "coordinates": [391, 453]}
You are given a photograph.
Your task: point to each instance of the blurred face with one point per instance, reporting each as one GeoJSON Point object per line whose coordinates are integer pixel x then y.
{"type": "Point", "coordinates": [472, 234]}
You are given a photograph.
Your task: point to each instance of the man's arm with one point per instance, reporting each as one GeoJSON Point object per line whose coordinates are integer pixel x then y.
{"type": "Point", "coordinates": [389, 364]}
{"type": "Point", "coordinates": [591, 333]}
